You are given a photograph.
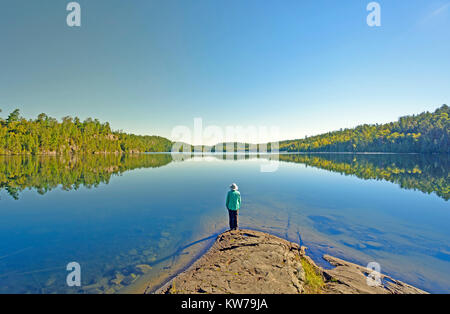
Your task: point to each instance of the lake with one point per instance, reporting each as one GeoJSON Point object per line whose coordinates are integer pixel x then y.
{"type": "Point", "coordinates": [111, 213]}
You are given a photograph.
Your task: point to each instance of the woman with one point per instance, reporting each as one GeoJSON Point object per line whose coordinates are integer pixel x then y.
{"type": "Point", "coordinates": [233, 205]}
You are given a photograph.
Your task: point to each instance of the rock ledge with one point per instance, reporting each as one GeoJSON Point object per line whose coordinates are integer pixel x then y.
{"type": "Point", "coordinates": [252, 262]}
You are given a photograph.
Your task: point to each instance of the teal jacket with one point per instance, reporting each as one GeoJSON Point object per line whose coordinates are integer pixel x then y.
{"type": "Point", "coordinates": [233, 200]}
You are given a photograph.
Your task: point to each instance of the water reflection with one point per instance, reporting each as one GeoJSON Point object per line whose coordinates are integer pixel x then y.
{"type": "Point", "coordinates": [43, 173]}
{"type": "Point", "coordinates": [426, 173]}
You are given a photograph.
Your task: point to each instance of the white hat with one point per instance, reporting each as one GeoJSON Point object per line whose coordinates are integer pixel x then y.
{"type": "Point", "coordinates": [234, 186]}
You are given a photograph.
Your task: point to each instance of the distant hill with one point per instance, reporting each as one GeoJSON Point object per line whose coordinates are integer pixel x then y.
{"type": "Point", "coordinates": [423, 133]}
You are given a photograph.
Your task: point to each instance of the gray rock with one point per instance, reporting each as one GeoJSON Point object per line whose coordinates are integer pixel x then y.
{"type": "Point", "coordinates": [252, 262]}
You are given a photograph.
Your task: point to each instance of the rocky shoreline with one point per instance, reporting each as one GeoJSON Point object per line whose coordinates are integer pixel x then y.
{"type": "Point", "coordinates": [253, 262]}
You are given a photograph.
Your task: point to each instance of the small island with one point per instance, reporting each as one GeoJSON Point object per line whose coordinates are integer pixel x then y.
{"type": "Point", "coordinates": [253, 262]}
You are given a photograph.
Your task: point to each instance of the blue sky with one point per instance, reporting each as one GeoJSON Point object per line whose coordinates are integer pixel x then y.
{"type": "Point", "coordinates": [147, 66]}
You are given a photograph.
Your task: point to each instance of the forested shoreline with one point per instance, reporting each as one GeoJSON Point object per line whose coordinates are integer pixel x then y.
{"type": "Point", "coordinates": [48, 136]}
{"type": "Point", "coordinates": [423, 133]}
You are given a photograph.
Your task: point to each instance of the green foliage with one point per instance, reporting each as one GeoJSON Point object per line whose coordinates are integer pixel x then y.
{"type": "Point", "coordinates": [423, 133]}
{"type": "Point", "coordinates": [13, 117]}
{"type": "Point", "coordinates": [44, 173]}
{"type": "Point", "coordinates": [46, 135]}
{"type": "Point", "coordinates": [314, 282]}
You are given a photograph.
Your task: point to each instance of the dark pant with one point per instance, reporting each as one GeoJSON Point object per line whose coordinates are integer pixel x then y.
{"type": "Point", "coordinates": [233, 219]}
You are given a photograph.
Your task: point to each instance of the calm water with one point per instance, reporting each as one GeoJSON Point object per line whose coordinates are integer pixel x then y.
{"type": "Point", "coordinates": [111, 213]}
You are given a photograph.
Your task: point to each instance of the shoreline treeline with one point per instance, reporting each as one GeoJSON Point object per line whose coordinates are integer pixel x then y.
{"type": "Point", "coordinates": [48, 136]}
{"type": "Point", "coordinates": [423, 133]}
